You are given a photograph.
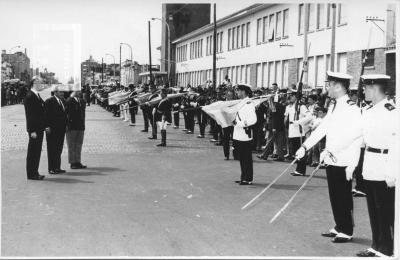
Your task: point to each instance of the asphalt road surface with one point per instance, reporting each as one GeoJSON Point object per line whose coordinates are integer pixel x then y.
{"type": "Point", "coordinates": [136, 199]}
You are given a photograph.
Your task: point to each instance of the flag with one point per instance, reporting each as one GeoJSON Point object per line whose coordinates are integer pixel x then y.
{"type": "Point", "coordinates": [224, 112]}
{"type": "Point", "coordinates": [118, 97]}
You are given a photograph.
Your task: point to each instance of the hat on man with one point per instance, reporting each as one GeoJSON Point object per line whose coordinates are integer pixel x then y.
{"type": "Point", "coordinates": [370, 79]}
{"type": "Point", "coordinates": [246, 88]}
{"type": "Point", "coordinates": [338, 76]}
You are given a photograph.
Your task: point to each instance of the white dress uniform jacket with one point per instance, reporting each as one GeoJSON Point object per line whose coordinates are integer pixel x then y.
{"type": "Point", "coordinates": [379, 132]}
{"type": "Point", "coordinates": [245, 117]}
{"type": "Point", "coordinates": [341, 126]}
{"type": "Point", "coordinates": [305, 118]}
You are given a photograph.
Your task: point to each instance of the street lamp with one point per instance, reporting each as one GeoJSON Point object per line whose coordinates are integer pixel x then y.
{"type": "Point", "coordinates": [108, 54]}
{"type": "Point", "coordinates": [18, 46]}
{"type": "Point", "coordinates": [169, 46]}
{"type": "Point", "coordinates": [130, 47]}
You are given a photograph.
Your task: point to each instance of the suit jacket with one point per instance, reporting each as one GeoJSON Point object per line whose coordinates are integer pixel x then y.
{"type": "Point", "coordinates": [164, 109]}
{"type": "Point", "coordinates": [56, 116]}
{"type": "Point", "coordinates": [75, 114]}
{"type": "Point", "coordinates": [34, 113]}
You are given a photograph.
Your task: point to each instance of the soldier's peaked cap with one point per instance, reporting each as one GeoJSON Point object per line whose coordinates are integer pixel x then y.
{"type": "Point", "coordinates": [244, 87]}
{"type": "Point", "coordinates": [338, 76]}
{"type": "Point", "coordinates": [375, 79]}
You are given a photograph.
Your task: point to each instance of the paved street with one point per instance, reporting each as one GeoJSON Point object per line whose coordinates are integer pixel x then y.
{"type": "Point", "coordinates": [136, 199]}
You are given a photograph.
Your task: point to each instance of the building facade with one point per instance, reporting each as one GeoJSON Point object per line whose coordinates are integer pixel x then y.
{"type": "Point", "coordinates": [6, 71]}
{"type": "Point", "coordinates": [264, 44]}
{"type": "Point", "coordinates": [20, 64]}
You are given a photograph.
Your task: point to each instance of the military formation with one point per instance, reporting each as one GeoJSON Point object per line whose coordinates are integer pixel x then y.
{"type": "Point", "coordinates": [350, 133]}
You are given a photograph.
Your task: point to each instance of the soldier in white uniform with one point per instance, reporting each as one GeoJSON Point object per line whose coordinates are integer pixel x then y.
{"type": "Point", "coordinates": [340, 127]}
{"type": "Point", "coordinates": [379, 135]}
{"type": "Point", "coordinates": [299, 117]}
{"type": "Point", "coordinates": [245, 118]}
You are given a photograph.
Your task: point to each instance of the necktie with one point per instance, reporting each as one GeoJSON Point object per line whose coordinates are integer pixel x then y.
{"type": "Point", "coordinates": [39, 97]}
{"type": "Point", "coordinates": [61, 104]}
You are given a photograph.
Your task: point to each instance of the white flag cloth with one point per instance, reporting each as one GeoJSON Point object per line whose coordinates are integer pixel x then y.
{"type": "Point", "coordinates": [118, 97]}
{"type": "Point", "coordinates": [224, 112]}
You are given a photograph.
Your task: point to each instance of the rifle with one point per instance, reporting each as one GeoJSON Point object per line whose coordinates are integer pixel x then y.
{"type": "Point", "coordinates": [300, 93]}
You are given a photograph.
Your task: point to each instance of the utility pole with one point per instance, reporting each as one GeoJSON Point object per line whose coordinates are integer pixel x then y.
{"type": "Point", "coordinates": [120, 67]}
{"type": "Point", "coordinates": [215, 48]}
{"type": "Point", "coordinates": [333, 10]}
{"type": "Point", "coordinates": [306, 28]}
{"type": "Point", "coordinates": [150, 74]}
{"type": "Point", "coordinates": [102, 70]}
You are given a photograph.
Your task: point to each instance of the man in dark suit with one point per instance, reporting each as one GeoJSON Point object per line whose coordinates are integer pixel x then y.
{"type": "Point", "coordinates": [35, 126]}
{"type": "Point", "coordinates": [75, 108]}
{"type": "Point", "coordinates": [57, 122]}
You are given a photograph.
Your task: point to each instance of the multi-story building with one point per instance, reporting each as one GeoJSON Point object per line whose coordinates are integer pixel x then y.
{"type": "Point", "coordinates": [6, 71]}
{"type": "Point", "coordinates": [264, 44]}
{"type": "Point", "coordinates": [130, 72]}
{"type": "Point", "coordinates": [20, 64]}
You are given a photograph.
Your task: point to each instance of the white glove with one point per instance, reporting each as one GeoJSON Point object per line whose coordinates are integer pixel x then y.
{"type": "Point", "coordinates": [390, 181]}
{"type": "Point", "coordinates": [322, 156]}
{"type": "Point", "coordinates": [300, 153]}
{"type": "Point", "coordinates": [295, 123]}
{"type": "Point", "coordinates": [349, 172]}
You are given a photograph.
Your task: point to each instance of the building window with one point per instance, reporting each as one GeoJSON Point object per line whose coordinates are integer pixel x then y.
{"type": "Point", "coordinates": [311, 72]}
{"type": "Point", "coordinates": [312, 17]}
{"type": "Point", "coordinates": [271, 74]}
{"type": "Point", "coordinates": [321, 15]}
{"type": "Point", "coordinates": [370, 59]}
{"type": "Point", "coordinates": [243, 36]}
{"type": "Point", "coordinates": [320, 71]}
{"type": "Point", "coordinates": [285, 23]}
{"type": "Point", "coordinates": [259, 75]}
{"type": "Point", "coordinates": [229, 39]}
{"type": "Point", "coordinates": [233, 38]}
{"type": "Point", "coordinates": [265, 29]}
{"type": "Point", "coordinates": [238, 37]}
{"type": "Point", "coordinates": [285, 74]}
{"type": "Point", "coordinates": [201, 48]}
{"type": "Point", "coordinates": [278, 71]}
{"type": "Point", "coordinates": [265, 75]}
{"type": "Point", "coordinates": [342, 14]}
{"type": "Point", "coordinates": [259, 31]}
{"type": "Point", "coordinates": [220, 41]}
{"type": "Point", "coordinates": [301, 19]}
{"type": "Point", "coordinates": [342, 62]}
{"type": "Point", "coordinates": [248, 34]}
{"type": "Point", "coordinates": [278, 25]}
{"type": "Point", "coordinates": [328, 15]}
{"type": "Point", "coordinates": [271, 28]}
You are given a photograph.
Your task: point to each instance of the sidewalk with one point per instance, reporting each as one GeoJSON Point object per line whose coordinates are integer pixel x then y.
{"type": "Point", "coordinates": [136, 199]}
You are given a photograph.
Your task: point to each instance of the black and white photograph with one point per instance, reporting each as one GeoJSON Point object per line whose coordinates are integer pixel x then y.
{"type": "Point", "coordinates": [217, 129]}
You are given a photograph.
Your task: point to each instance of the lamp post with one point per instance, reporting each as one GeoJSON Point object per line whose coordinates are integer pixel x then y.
{"type": "Point", "coordinates": [130, 47]}
{"type": "Point", "coordinates": [169, 47]}
{"type": "Point", "coordinates": [18, 46]}
{"type": "Point", "coordinates": [108, 54]}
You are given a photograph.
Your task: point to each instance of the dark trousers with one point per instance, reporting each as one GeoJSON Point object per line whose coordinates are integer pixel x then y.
{"type": "Point", "coordinates": [190, 120]}
{"type": "Point", "coordinates": [201, 120]}
{"type": "Point", "coordinates": [246, 159]}
{"type": "Point", "coordinates": [217, 134]}
{"type": "Point", "coordinates": [380, 201]}
{"type": "Point", "coordinates": [295, 143]}
{"type": "Point", "coordinates": [145, 119]}
{"type": "Point", "coordinates": [227, 136]}
{"type": "Point", "coordinates": [176, 118]}
{"type": "Point", "coordinates": [74, 143]}
{"type": "Point", "coordinates": [55, 144]}
{"type": "Point", "coordinates": [33, 156]}
{"type": "Point", "coordinates": [132, 111]}
{"type": "Point", "coordinates": [360, 186]}
{"type": "Point", "coordinates": [258, 136]}
{"type": "Point", "coordinates": [341, 199]}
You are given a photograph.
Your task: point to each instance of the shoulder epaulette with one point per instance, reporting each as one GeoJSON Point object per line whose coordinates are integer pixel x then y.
{"type": "Point", "coordinates": [389, 106]}
{"type": "Point", "coordinates": [351, 102]}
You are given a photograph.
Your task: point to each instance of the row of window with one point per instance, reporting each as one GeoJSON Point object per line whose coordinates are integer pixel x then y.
{"type": "Point", "coordinates": [196, 49]}
{"type": "Point", "coordinates": [272, 72]}
{"type": "Point", "coordinates": [210, 43]}
{"type": "Point", "coordinates": [320, 16]}
{"type": "Point", "coordinates": [273, 26]}
{"type": "Point", "coordinates": [239, 36]}
{"type": "Point", "coordinates": [181, 53]}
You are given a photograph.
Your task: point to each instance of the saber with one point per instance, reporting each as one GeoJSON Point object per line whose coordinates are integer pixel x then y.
{"type": "Point", "coordinates": [294, 195]}
{"type": "Point", "coordinates": [269, 185]}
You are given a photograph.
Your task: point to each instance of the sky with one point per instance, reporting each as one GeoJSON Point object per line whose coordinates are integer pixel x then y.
{"type": "Point", "coordinates": [103, 24]}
